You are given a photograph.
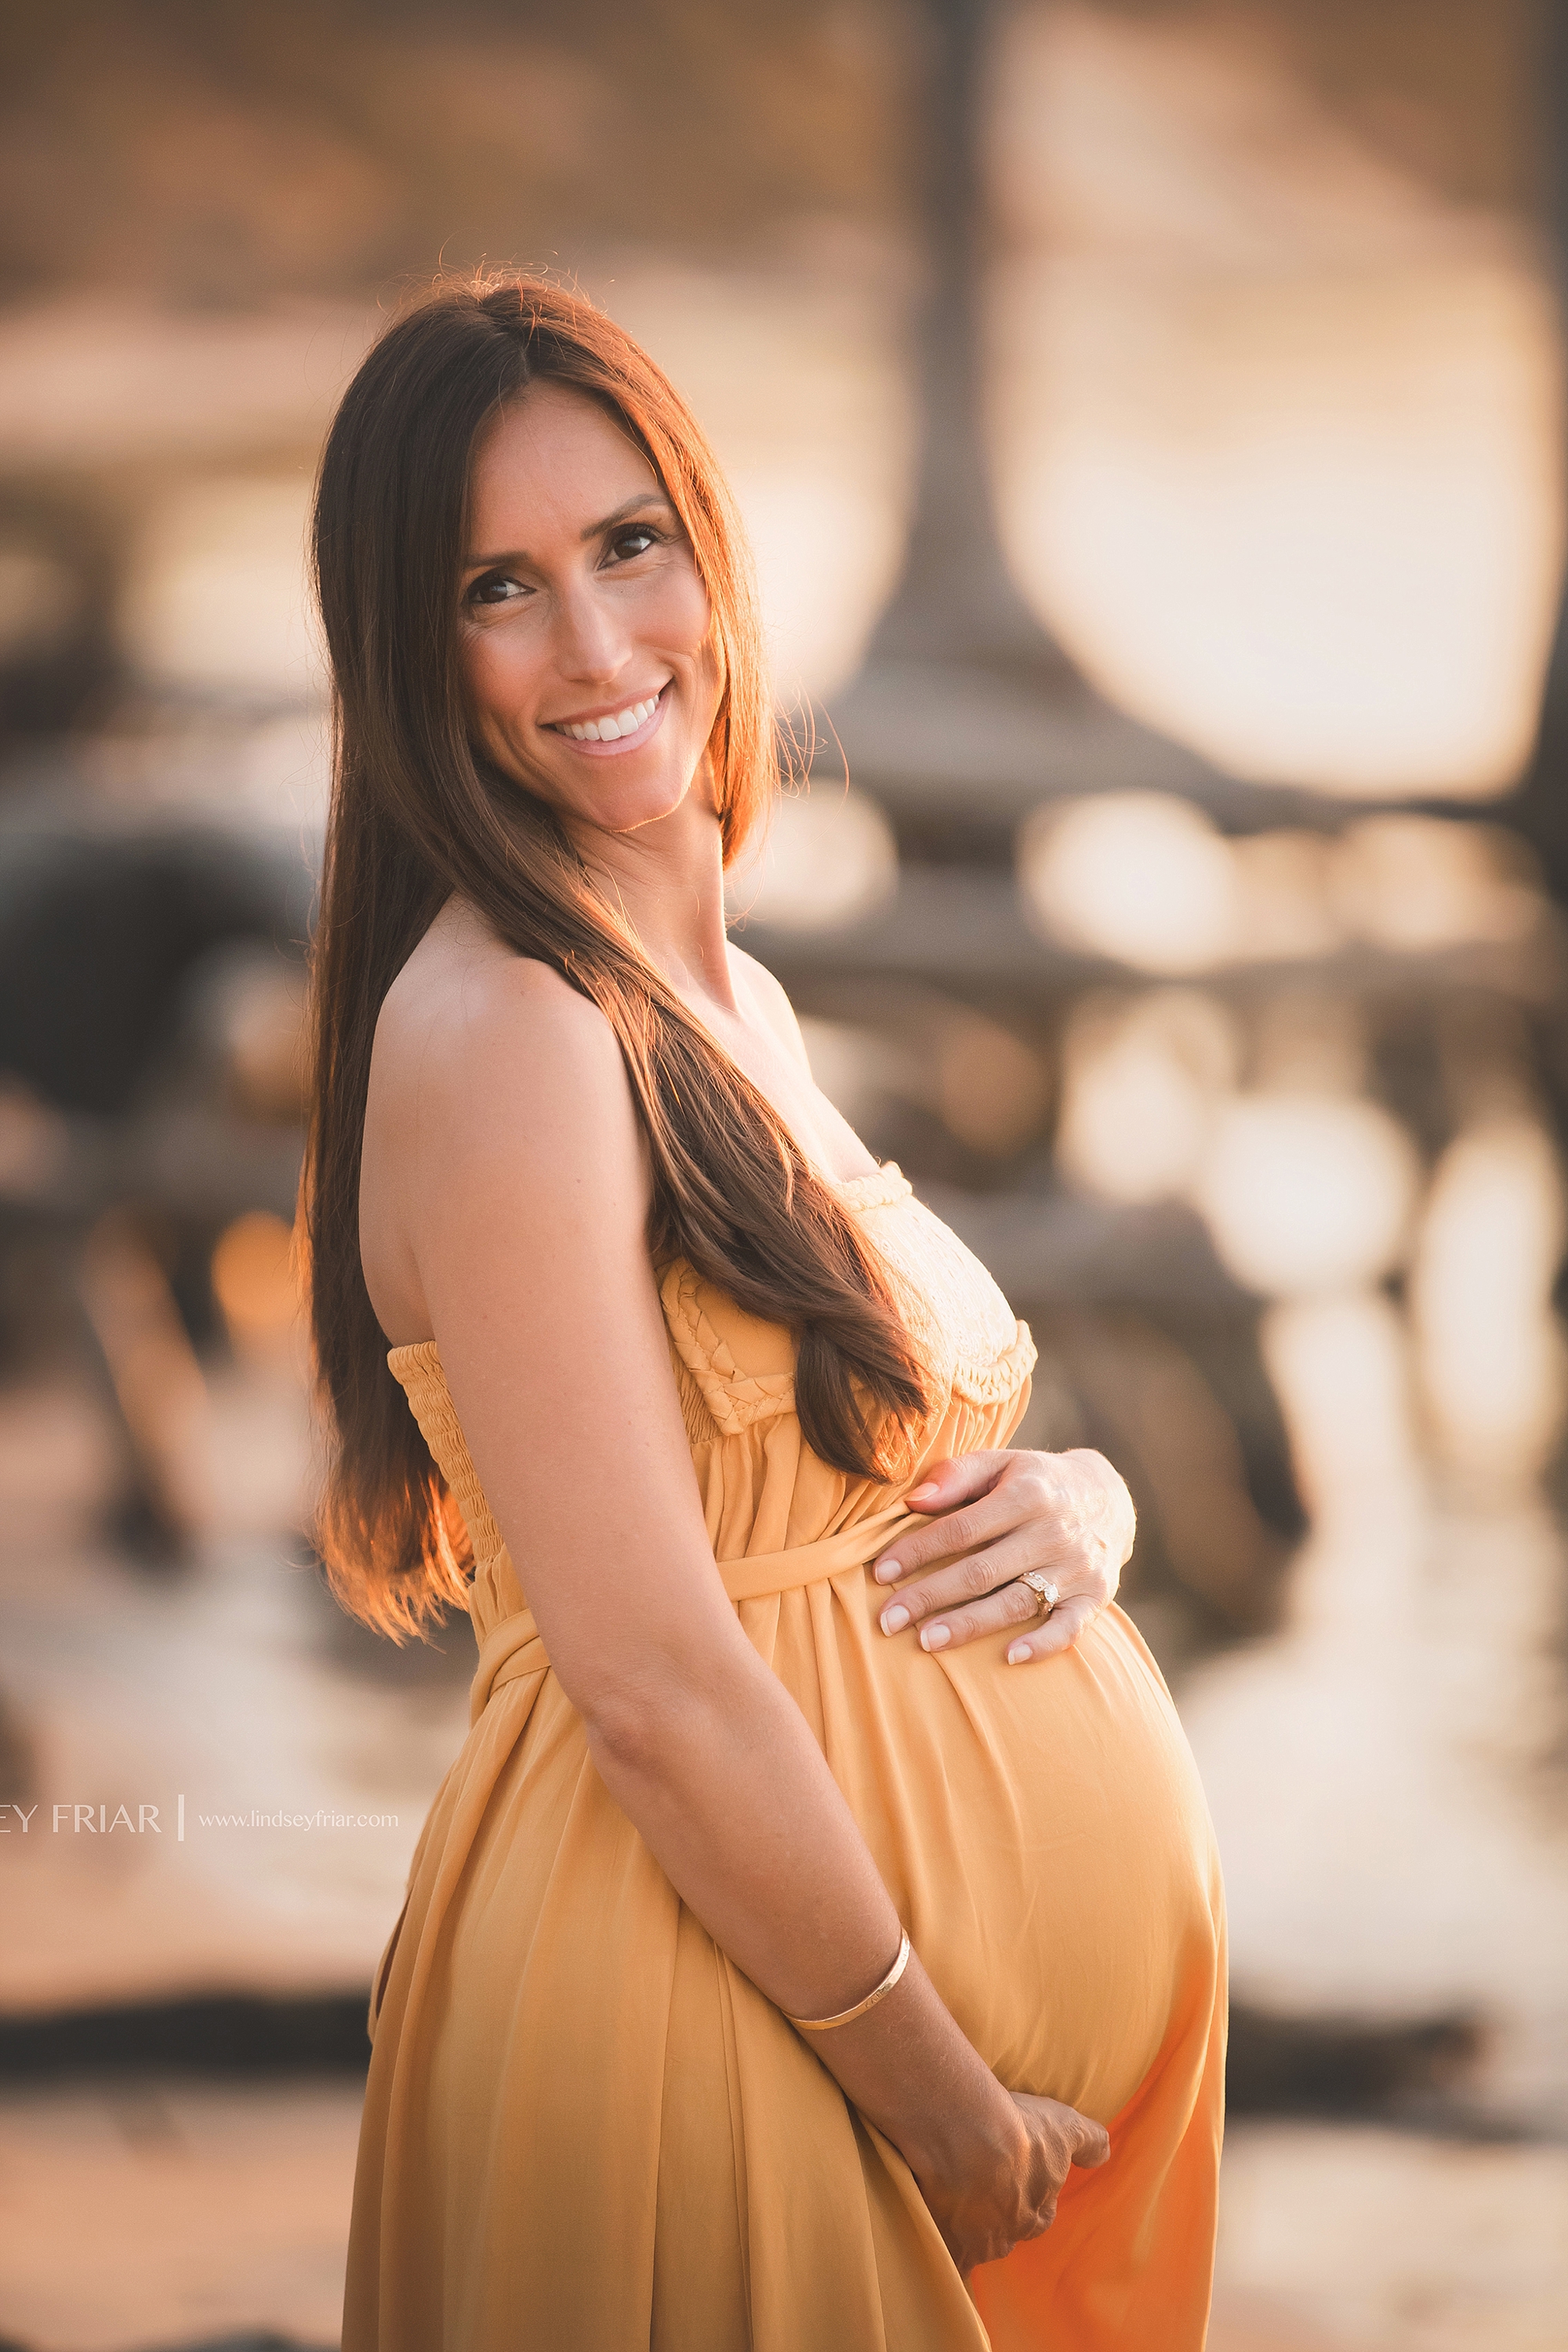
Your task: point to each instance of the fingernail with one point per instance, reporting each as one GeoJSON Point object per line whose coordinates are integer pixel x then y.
{"type": "Point", "coordinates": [888, 1571]}
{"type": "Point", "coordinates": [922, 1495]}
{"type": "Point", "coordinates": [936, 1637]}
{"type": "Point", "coordinates": [1019, 1654]}
{"type": "Point", "coordinates": [895, 1619]}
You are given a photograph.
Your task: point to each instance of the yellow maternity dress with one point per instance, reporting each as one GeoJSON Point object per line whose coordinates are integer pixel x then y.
{"type": "Point", "coordinates": [586, 2131]}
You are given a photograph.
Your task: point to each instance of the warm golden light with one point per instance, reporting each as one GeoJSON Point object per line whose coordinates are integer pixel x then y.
{"type": "Point", "coordinates": [1278, 421]}
{"type": "Point", "coordinates": [828, 858]}
{"type": "Point", "coordinates": [1141, 1084]}
{"type": "Point", "coordinates": [1307, 1193]}
{"type": "Point", "coordinates": [991, 1091]}
{"type": "Point", "coordinates": [1491, 1352]}
{"type": "Point", "coordinates": [1141, 877]}
{"type": "Point", "coordinates": [1423, 882]}
{"type": "Point", "coordinates": [254, 1281]}
{"type": "Point", "coordinates": [217, 599]}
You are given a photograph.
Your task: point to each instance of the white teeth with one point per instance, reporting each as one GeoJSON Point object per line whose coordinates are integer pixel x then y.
{"type": "Point", "coordinates": [610, 731]}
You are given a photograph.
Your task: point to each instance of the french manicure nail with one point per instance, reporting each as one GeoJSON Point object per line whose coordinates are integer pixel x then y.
{"type": "Point", "coordinates": [922, 1495]}
{"type": "Point", "coordinates": [1019, 1654]}
{"type": "Point", "coordinates": [936, 1637]}
{"type": "Point", "coordinates": [888, 1571]}
{"type": "Point", "coordinates": [895, 1619]}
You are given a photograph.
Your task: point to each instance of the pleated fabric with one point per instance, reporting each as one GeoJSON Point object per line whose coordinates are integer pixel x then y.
{"type": "Point", "coordinates": [586, 2131]}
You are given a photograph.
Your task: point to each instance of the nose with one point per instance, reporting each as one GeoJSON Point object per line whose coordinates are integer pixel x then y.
{"type": "Point", "coordinates": [591, 645]}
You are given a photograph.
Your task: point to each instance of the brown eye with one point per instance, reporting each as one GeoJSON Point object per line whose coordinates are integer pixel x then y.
{"type": "Point", "coordinates": [636, 540]}
{"type": "Point", "coordinates": [495, 588]}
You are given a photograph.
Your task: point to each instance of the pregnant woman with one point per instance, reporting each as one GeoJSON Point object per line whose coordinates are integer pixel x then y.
{"type": "Point", "coordinates": [824, 1872]}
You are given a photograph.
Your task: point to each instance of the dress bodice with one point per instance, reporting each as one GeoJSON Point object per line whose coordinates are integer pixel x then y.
{"type": "Point", "coordinates": [764, 1492]}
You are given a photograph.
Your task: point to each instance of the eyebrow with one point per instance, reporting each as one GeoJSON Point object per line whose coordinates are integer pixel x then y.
{"type": "Point", "coordinates": [607, 522]}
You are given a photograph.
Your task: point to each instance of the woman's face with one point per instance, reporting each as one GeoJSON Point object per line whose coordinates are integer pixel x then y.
{"type": "Point", "coordinates": [584, 631]}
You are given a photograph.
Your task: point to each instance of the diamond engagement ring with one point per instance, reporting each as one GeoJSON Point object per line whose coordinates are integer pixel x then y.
{"type": "Point", "coordinates": [1044, 1590]}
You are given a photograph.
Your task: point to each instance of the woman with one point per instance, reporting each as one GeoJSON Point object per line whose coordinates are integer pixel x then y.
{"type": "Point", "coordinates": [778, 1946]}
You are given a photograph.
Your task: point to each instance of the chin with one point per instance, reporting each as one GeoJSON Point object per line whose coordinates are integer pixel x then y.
{"type": "Point", "coordinates": [628, 811]}
{"type": "Point", "coordinates": [620, 802]}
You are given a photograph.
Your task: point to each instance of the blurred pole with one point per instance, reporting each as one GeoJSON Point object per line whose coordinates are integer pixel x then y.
{"type": "Point", "coordinates": [1540, 806]}
{"type": "Point", "coordinates": [956, 600]}
{"type": "Point", "coordinates": [966, 713]}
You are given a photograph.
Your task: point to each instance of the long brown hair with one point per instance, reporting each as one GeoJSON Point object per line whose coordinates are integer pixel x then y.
{"type": "Point", "coordinates": [417, 814]}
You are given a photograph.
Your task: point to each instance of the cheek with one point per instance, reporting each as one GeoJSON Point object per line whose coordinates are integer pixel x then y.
{"type": "Point", "coordinates": [688, 633]}
{"type": "Point", "coordinates": [495, 677]}
{"type": "Point", "coordinates": [670, 611]}
{"type": "Point", "coordinates": [692, 616]}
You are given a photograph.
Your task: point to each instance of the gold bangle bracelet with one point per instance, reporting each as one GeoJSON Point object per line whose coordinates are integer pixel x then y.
{"type": "Point", "coordinates": [876, 1993]}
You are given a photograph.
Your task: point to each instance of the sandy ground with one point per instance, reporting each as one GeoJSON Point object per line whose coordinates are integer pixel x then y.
{"type": "Point", "coordinates": [162, 2212]}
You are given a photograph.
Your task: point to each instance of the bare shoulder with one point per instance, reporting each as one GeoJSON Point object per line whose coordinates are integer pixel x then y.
{"type": "Point", "coordinates": [477, 1043]}
{"type": "Point", "coordinates": [499, 1132]}
{"type": "Point", "coordinates": [464, 996]}
{"type": "Point", "coordinates": [771, 1003]}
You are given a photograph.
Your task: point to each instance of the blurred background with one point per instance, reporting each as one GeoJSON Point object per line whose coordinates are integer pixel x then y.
{"type": "Point", "coordinates": [1150, 418]}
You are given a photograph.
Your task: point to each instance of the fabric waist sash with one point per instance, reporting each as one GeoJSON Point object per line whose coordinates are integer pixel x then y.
{"type": "Point", "coordinates": [514, 1649]}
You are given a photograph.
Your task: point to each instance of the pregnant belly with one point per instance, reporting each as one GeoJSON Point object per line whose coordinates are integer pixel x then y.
{"type": "Point", "coordinates": [1044, 1833]}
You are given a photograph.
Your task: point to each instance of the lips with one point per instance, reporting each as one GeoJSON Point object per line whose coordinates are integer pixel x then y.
{"type": "Point", "coordinates": [622, 731]}
{"type": "Point", "coordinates": [609, 726]}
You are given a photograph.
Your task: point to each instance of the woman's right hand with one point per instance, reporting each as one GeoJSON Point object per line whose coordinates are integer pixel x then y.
{"type": "Point", "coordinates": [986, 2201]}
{"type": "Point", "coordinates": [989, 2162]}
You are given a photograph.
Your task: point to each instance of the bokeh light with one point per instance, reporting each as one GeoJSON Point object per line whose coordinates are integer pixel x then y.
{"type": "Point", "coordinates": [1306, 1192]}
{"type": "Point", "coordinates": [1141, 877]}
{"type": "Point", "coordinates": [1143, 1082]}
{"type": "Point", "coordinates": [825, 859]}
{"type": "Point", "coordinates": [1491, 1352]}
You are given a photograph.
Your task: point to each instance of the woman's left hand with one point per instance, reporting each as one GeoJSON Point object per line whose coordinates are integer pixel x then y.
{"type": "Point", "coordinates": [1069, 1516]}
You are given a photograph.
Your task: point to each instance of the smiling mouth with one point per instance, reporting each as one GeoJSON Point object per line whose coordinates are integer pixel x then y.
{"type": "Point", "coordinates": [614, 726]}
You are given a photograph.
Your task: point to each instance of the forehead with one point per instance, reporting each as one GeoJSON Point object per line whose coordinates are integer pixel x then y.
{"type": "Point", "coordinates": [553, 461]}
